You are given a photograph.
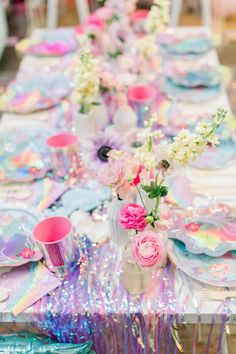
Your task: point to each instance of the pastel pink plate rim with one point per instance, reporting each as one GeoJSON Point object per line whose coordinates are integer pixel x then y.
{"type": "Point", "coordinates": [62, 140]}
{"type": "Point", "coordinates": [52, 229]}
{"type": "Point", "coordinates": [141, 93]}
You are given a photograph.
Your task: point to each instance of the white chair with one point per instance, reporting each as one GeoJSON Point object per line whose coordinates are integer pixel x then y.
{"type": "Point", "coordinates": [52, 12]}
{"type": "Point", "coordinates": [3, 28]}
{"type": "Point", "coordinates": [206, 12]}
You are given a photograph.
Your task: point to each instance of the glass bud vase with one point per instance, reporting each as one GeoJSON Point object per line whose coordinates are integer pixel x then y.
{"type": "Point", "coordinates": [163, 235]}
{"type": "Point", "coordinates": [137, 280]}
{"type": "Point", "coordinates": [117, 233]}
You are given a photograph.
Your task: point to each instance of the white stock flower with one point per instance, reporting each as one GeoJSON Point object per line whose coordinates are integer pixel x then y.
{"type": "Point", "coordinates": [147, 46]}
{"type": "Point", "coordinates": [147, 158]}
{"type": "Point", "coordinates": [86, 83]}
{"type": "Point", "coordinates": [186, 146]}
{"type": "Point", "coordinates": [158, 17]}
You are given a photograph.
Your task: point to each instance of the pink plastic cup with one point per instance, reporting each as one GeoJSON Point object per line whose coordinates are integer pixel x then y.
{"type": "Point", "coordinates": [140, 98]}
{"type": "Point", "coordinates": [137, 19]}
{"type": "Point", "coordinates": [56, 240]}
{"type": "Point", "coordinates": [64, 155]}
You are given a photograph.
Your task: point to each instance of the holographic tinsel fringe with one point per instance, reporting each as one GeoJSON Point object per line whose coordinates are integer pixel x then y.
{"type": "Point", "coordinates": [92, 304]}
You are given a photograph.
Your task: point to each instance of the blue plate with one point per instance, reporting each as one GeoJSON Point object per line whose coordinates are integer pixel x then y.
{"type": "Point", "coordinates": [214, 271]}
{"type": "Point", "coordinates": [186, 94]}
{"type": "Point", "coordinates": [207, 78]}
{"type": "Point", "coordinates": [188, 46]}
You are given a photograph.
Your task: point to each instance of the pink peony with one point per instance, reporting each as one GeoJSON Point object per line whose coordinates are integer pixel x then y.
{"type": "Point", "coordinates": [132, 217]}
{"type": "Point", "coordinates": [148, 250]}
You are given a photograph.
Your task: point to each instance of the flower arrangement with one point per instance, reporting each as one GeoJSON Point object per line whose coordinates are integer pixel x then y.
{"type": "Point", "coordinates": [86, 84]}
{"type": "Point", "coordinates": [158, 17]}
{"type": "Point", "coordinates": [146, 56]}
{"type": "Point", "coordinates": [144, 172]}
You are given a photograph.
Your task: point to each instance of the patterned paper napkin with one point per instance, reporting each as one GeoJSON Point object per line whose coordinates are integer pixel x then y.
{"type": "Point", "coordinates": [39, 194]}
{"type": "Point", "coordinates": [26, 284]}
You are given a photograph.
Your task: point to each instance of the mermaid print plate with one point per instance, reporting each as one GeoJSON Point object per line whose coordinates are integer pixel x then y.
{"type": "Point", "coordinates": [214, 271]}
{"type": "Point", "coordinates": [210, 234]}
{"type": "Point", "coordinates": [34, 93]}
{"type": "Point", "coordinates": [23, 155]}
{"type": "Point", "coordinates": [190, 75]}
{"type": "Point", "coordinates": [17, 246]}
{"type": "Point", "coordinates": [189, 95]}
{"type": "Point", "coordinates": [192, 45]}
{"type": "Point", "coordinates": [53, 42]}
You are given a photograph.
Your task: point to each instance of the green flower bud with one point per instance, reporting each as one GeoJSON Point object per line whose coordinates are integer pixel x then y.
{"type": "Point", "coordinates": [150, 219]}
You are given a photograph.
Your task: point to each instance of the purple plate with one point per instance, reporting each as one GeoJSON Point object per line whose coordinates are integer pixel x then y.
{"type": "Point", "coordinates": [17, 246]}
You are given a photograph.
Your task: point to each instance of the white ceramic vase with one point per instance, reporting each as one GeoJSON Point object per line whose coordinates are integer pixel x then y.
{"type": "Point", "coordinates": [117, 234]}
{"type": "Point", "coordinates": [84, 124]}
{"type": "Point", "coordinates": [100, 111]}
{"type": "Point", "coordinates": [124, 119]}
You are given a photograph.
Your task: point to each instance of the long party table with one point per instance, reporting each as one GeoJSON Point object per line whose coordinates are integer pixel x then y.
{"type": "Point", "coordinates": [93, 296]}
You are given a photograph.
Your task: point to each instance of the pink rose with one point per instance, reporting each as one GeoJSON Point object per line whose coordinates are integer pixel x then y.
{"type": "Point", "coordinates": [132, 216]}
{"type": "Point", "coordinates": [148, 249]}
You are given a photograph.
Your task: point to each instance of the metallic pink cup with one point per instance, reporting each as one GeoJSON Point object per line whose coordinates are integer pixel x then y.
{"type": "Point", "coordinates": [64, 154]}
{"type": "Point", "coordinates": [140, 98]}
{"type": "Point", "coordinates": [56, 240]}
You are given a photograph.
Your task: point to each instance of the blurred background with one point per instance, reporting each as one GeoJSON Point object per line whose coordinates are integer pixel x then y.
{"type": "Point", "coordinates": [18, 18]}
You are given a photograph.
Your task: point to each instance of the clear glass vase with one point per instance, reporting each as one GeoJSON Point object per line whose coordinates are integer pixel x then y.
{"type": "Point", "coordinates": [137, 280]}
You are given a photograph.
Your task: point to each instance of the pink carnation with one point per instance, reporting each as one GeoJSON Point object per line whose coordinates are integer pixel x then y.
{"type": "Point", "coordinates": [132, 217]}
{"type": "Point", "coordinates": [148, 249]}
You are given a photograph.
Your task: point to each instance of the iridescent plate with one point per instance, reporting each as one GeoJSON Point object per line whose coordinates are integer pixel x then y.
{"type": "Point", "coordinates": [23, 155]}
{"type": "Point", "coordinates": [191, 44]}
{"type": "Point", "coordinates": [53, 42]}
{"type": "Point", "coordinates": [214, 271]}
{"type": "Point", "coordinates": [189, 95]}
{"type": "Point", "coordinates": [217, 157]}
{"type": "Point", "coordinates": [188, 76]}
{"type": "Point", "coordinates": [17, 246]}
{"type": "Point", "coordinates": [210, 234]}
{"type": "Point", "coordinates": [35, 93]}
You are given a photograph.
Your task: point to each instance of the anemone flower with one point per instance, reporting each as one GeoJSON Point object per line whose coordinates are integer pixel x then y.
{"type": "Point", "coordinates": [100, 144]}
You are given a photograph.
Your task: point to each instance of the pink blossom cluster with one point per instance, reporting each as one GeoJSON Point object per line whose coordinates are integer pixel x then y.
{"type": "Point", "coordinates": [122, 168]}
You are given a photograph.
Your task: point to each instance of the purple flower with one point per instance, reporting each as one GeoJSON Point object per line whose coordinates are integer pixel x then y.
{"type": "Point", "coordinates": [100, 144]}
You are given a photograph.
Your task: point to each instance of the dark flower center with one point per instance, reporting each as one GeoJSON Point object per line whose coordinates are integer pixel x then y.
{"type": "Point", "coordinates": [103, 153]}
{"type": "Point", "coordinates": [165, 164]}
